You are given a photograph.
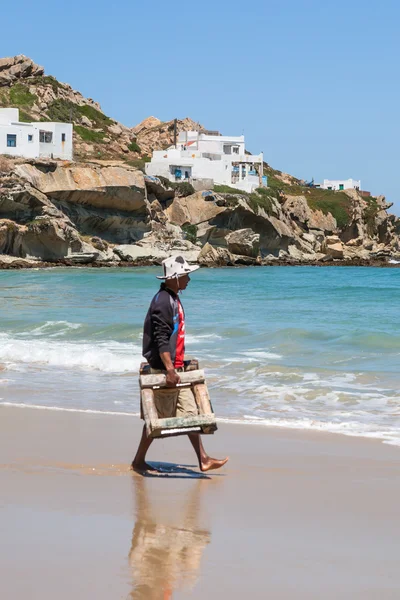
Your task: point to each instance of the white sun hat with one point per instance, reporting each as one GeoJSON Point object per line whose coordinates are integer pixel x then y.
{"type": "Point", "coordinates": [176, 266]}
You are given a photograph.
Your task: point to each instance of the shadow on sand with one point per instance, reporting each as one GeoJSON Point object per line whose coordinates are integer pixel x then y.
{"type": "Point", "coordinates": [177, 471]}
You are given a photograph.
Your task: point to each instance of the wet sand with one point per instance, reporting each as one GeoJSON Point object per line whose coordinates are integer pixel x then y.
{"type": "Point", "coordinates": [293, 515]}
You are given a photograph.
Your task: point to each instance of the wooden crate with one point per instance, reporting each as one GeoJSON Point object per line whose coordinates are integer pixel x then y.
{"type": "Point", "coordinates": [193, 377]}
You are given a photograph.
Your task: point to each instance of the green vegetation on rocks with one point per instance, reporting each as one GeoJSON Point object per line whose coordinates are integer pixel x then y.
{"type": "Point", "coordinates": [260, 199]}
{"type": "Point", "coordinates": [88, 135]}
{"type": "Point", "coordinates": [46, 80]}
{"type": "Point", "coordinates": [190, 232]}
{"type": "Point", "coordinates": [133, 147]}
{"type": "Point", "coordinates": [97, 117]}
{"type": "Point", "coordinates": [226, 189]}
{"type": "Point", "coordinates": [327, 201]}
{"type": "Point", "coordinates": [63, 111]}
{"type": "Point", "coordinates": [25, 117]}
{"type": "Point", "coordinates": [66, 111]}
{"type": "Point", "coordinates": [183, 188]}
{"type": "Point", "coordinates": [21, 96]}
{"type": "Point", "coordinates": [370, 214]}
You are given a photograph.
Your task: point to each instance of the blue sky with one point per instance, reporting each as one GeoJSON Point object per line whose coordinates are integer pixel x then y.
{"type": "Point", "coordinates": [312, 84]}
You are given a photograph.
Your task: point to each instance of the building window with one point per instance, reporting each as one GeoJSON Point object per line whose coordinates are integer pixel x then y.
{"type": "Point", "coordinates": [341, 186]}
{"type": "Point", "coordinates": [227, 149]}
{"type": "Point", "coordinates": [45, 137]}
{"type": "Point", "coordinates": [30, 137]}
{"type": "Point", "coordinates": [63, 136]}
{"type": "Point", "coordinates": [11, 140]}
{"type": "Point", "coordinates": [235, 149]}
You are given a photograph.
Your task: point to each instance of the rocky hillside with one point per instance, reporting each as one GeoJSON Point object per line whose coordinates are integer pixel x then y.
{"type": "Point", "coordinates": [40, 97]}
{"type": "Point", "coordinates": [102, 210]}
{"type": "Point", "coordinates": [110, 213]}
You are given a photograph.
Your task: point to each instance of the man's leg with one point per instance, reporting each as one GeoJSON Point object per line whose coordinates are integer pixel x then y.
{"type": "Point", "coordinates": [139, 463]}
{"type": "Point", "coordinates": [186, 406]}
{"type": "Point", "coordinates": [206, 463]}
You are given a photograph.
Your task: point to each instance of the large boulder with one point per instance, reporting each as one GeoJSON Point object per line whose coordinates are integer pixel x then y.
{"type": "Point", "coordinates": [108, 186]}
{"type": "Point", "coordinates": [298, 209]}
{"type": "Point", "coordinates": [193, 209]}
{"type": "Point", "coordinates": [244, 242]}
{"type": "Point", "coordinates": [45, 238]}
{"type": "Point", "coordinates": [214, 257]}
{"type": "Point", "coordinates": [22, 202]}
{"type": "Point", "coordinates": [335, 250]}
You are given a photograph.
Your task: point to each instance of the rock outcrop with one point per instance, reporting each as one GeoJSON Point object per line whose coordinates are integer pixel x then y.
{"type": "Point", "coordinates": [109, 213]}
{"type": "Point", "coordinates": [153, 134]}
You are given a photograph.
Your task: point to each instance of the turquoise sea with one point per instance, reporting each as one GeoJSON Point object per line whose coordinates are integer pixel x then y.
{"type": "Point", "coordinates": [300, 347]}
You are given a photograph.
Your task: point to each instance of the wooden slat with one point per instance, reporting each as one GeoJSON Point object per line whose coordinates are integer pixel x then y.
{"type": "Point", "coordinates": [159, 428]}
{"type": "Point", "coordinates": [186, 421]}
{"type": "Point", "coordinates": [149, 410]}
{"type": "Point", "coordinates": [190, 377]}
{"type": "Point", "coordinates": [202, 398]}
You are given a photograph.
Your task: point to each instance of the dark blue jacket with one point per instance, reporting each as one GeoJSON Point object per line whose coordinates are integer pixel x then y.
{"type": "Point", "coordinates": [160, 330]}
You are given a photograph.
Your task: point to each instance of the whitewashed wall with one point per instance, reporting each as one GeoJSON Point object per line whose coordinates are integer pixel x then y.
{"type": "Point", "coordinates": [24, 147]}
{"type": "Point", "coordinates": [335, 184]}
{"type": "Point", "coordinates": [9, 124]}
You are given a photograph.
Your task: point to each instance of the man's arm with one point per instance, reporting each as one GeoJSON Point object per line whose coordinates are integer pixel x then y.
{"type": "Point", "coordinates": [172, 378]}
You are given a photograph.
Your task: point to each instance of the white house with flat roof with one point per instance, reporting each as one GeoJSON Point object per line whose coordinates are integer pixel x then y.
{"type": "Point", "coordinates": [217, 158]}
{"type": "Point", "coordinates": [34, 140]}
{"type": "Point", "coordinates": [340, 184]}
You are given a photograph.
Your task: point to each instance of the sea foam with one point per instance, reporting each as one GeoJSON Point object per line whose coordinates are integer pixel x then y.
{"type": "Point", "coordinates": [110, 357]}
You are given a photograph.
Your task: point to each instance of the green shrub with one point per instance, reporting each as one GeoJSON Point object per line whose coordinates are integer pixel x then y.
{"type": "Point", "coordinates": [139, 163]}
{"type": "Point", "coordinates": [47, 80]}
{"type": "Point", "coordinates": [88, 135]}
{"type": "Point", "coordinates": [66, 111]}
{"type": "Point", "coordinates": [260, 201]}
{"type": "Point", "coordinates": [25, 117]}
{"type": "Point", "coordinates": [328, 201]}
{"type": "Point", "coordinates": [183, 188]}
{"type": "Point", "coordinates": [190, 232]}
{"type": "Point", "coordinates": [21, 96]}
{"type": "Point", "coordinates": [166, 182]}
{"type": "Point", "coordinates": [100, 119]}
{"type": "Point", "coordinates": [231, 200]}
{"type": "Point", "coordinates": [226, 189]}
{"type": "Point", "coordinates": [133, 147]}
{"type": "Point", "coordinates": [63, 111]}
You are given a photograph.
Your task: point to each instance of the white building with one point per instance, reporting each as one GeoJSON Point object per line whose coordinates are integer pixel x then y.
{"type": "Point", "coordinates": [34, 140]}
{"type": "Point", "coordinates": [208, 157]}
{"type": "Point", "coordinates": [340, 184]}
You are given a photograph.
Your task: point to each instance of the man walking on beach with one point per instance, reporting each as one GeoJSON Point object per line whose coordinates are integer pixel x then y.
{"type": "Point", "coordinates": [164, 349]}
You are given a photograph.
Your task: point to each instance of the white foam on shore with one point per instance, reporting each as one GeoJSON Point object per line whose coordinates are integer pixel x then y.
{"type": "Point", "coordinates": [352, 429]}
{"type": "Point", "coordinates": [69, 410]}
{"type": "Point", "coordinates": [109, 357]}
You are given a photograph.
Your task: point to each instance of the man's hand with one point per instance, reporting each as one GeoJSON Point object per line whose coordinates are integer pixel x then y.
{"type": "Point", "coordinates": [172, 378]}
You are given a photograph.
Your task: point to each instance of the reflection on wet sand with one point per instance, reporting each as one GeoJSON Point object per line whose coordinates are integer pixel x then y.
{"type": "Point", "coordinates": [166, 549]}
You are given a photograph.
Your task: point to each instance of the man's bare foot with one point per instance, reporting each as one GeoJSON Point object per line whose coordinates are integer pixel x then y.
{"type": "Point", "coordinates": [210, 464]}
{"type": "Point", "coordinates": [142, 467]}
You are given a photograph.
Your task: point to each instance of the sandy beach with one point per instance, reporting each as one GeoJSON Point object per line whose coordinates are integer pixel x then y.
{"type": "Point", "coordinates": [293, 515]}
